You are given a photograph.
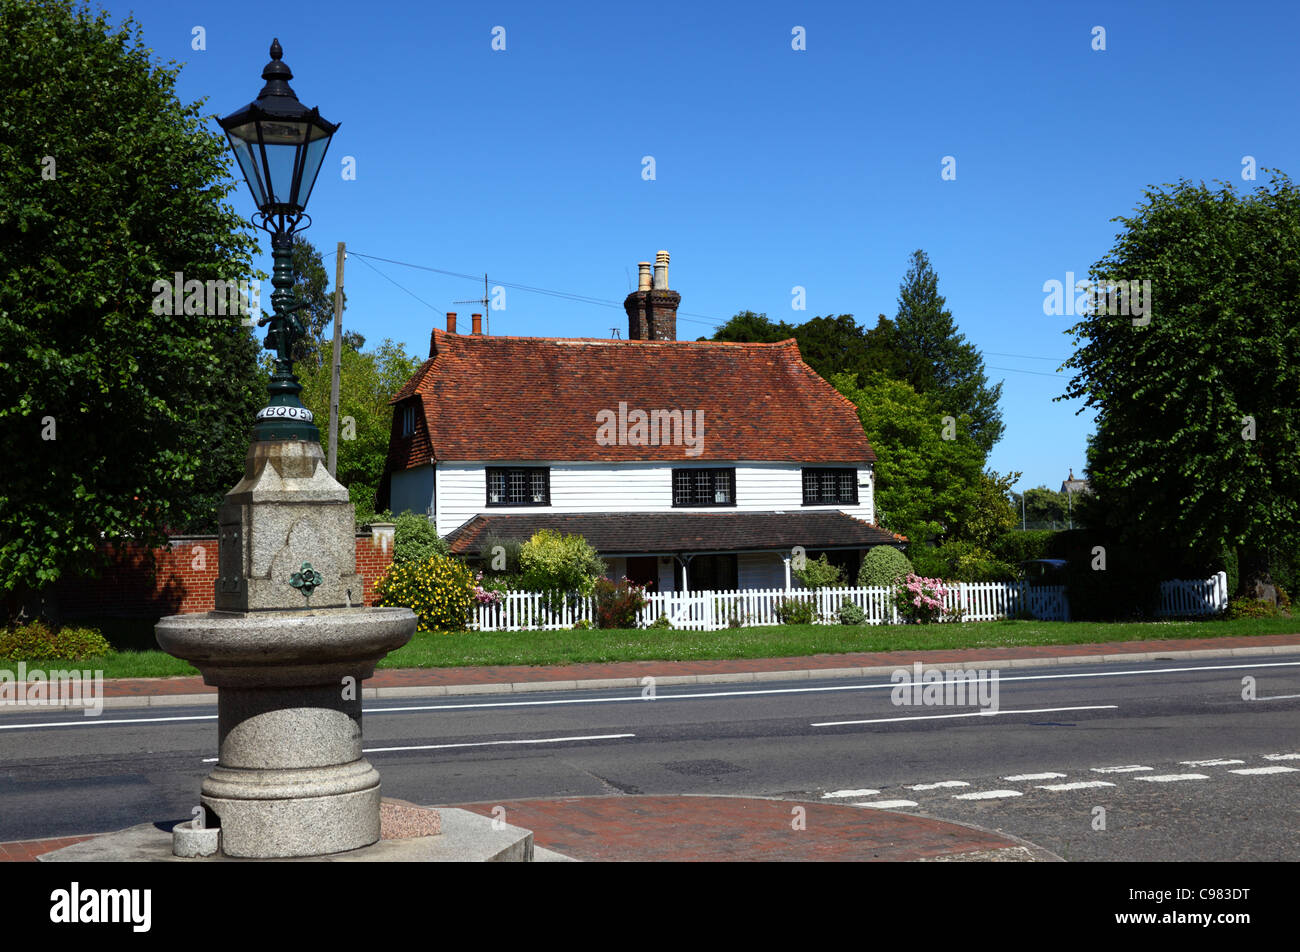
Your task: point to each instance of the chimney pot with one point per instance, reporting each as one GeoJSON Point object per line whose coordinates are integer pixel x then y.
{"type": "Point", "coordinates": [643, 279]}
{"type": "Point", "coordinates": [451, 322]}
{"type": "Point", "coordinates": [478, 323]}
{"type": "Point", "coordinates": [661, 271]}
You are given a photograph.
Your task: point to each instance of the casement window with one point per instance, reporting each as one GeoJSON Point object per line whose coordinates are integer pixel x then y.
{"type": "Point", "coordinates": [519, 486]}
{"type": "Point", "coordinates": [408, 419]}
{"type": "Point", "coordinates": [704, 487]}
{"type": "Point", "coordinates": [830, 487]}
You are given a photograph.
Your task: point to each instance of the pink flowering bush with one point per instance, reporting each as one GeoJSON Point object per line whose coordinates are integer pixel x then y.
{"type": "Point", "coordinates": [920, 599]}
{"type": "Point", "coordinates": [618, 603]}
{"type": "Point", "coordinates": [491, 595]}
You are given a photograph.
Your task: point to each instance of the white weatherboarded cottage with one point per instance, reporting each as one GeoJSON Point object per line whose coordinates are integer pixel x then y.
{"type": "Point", "coordinates": [687, 465]}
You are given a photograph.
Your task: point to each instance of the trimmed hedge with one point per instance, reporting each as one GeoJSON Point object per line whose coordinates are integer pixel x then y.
{"type": "Point", "coordinates": [37, 642]}
{"type": "Point", "coordinates": [882, 566]}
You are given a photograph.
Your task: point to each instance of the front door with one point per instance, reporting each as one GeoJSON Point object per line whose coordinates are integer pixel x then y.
{"type": "Point", "coordinates": [644, 570]}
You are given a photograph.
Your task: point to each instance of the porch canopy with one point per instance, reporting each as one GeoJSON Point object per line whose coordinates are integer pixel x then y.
{"type": "Point", "coordinates": [678, 533]}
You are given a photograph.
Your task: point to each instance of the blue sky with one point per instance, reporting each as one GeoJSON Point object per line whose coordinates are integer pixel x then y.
{"type": "Point", "coordinates": [774, 168]}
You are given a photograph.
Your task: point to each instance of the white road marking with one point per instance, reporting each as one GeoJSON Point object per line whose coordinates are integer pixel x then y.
{"type": "Point", "coordinates": [664, 695]}
{"type": "Point", "coordinates": [1282, 756]}
{"type": "Point", "coordinates": [1171, 777]}
{"type": "Point", "coordinates": [1077, 785]}
{"type": "Point", "coordinates": [938, 786]}
{"type": "Point", "coordinates": [481, 743]}
{"type": "Point", "coordinates": [885, 804]}
{"type": "Point", "coordinates": [1209, 763]}
{"type": "Point", "coordinates": [1278, 697]}
{"type": "Point", "coordinates": [498, 743]}
{"type": "Point", "coordinates": [99, 722]}
{"type": "Point", "coordinates": [940, 717]}
{"type": "Point", "coordinates": [1130, 769]}
{"type": "Point", "coordinates": [988, 795]}
{"type": "Point", "coordinates": [837, 794]}
{"type": "Point", "coordinates": [1019, 778]}
{"type": "Point", "coordinates": [1251, 771]}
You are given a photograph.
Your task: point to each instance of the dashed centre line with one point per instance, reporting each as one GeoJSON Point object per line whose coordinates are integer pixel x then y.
{"type": "Point", "coordinates": [1077, 785]}
{"type": "Point", "coordinates": [988, 795]}
{"type": "Point", "coordinates": [1282, 756]}
{"type": "Point", "coordinates": [1173, 777]}
{"type": "Point", "coordinates": [1253, 771]}
{"type": "Point", "coordinates": [838, 794]}
{"type": "Point", "coordinates": [1020, 778]}
{"type": "Point", "coordinates": [1210, 763]}
{"type": "Point", "coordinates": [1134, 768]}
{"type": "Point", "coordinates": [939, 786]}
{"type": "Point", "coordinates": [885, 804]}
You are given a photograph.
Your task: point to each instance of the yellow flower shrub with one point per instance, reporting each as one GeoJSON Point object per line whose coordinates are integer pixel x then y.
{"type": "Point", "coordinates": [440, 590]}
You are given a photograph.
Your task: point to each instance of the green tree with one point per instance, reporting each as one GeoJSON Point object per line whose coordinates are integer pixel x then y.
{"type": "Point", "coordinates": [1197, 395]}
{"type": "Point", "coordinates": [992, 514]}
{"type": "Point", "coordinates": [940, 361]}
{"type": "Point", "coordinates": [747, 327]}
{"type": "Point", "coordinates": [926, 486]}
{"type": "Point", "coordinates": [883, 351]}
{"type": "Point", "coordinates": [832, 345]}
{"type": "Point", "coordinates": [117, 421]}
{"type": "Point", "coordinates": [311, 286]}
{"type": "Point", "coordinates": [551, 562]}
{"type": "Point", "coordinates": [367, 380]}
{"type": "Point", "coordinates": [1045, 508]}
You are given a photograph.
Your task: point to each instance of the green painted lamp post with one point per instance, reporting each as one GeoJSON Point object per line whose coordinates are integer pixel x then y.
{"type": "Point", "coordinates": [280, 145]}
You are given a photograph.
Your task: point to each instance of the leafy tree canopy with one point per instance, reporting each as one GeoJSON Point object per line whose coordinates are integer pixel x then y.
{"type": "Point", "coordinates": [940, 361]}
{"type": "Point", "coordinates": [926, 486]}
{"type": "Point", "coordinates": [367, 380]}
{"type": "Point", "coordinates": [117, 421]}
{"type": "Point", "coordinates": [1198, 400]}
{"type": "Point", "coordinates": [311, 286]}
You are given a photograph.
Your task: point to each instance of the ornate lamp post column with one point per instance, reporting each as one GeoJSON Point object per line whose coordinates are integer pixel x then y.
{"type": "Point", "coordinates": [280, 145]}
{"type": "Point", "coordinates": [289, 643]}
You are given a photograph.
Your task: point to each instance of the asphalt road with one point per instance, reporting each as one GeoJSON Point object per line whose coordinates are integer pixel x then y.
{"type": "Point", "coordinates": [828, 739]}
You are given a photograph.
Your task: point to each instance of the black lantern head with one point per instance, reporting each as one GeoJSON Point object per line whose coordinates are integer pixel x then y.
{"type": "Point", "coordinates": [280, 144]}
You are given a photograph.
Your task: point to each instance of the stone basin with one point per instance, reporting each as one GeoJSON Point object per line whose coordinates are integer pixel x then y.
{"type": "Point", "coordinates": [285, 648]}
{"type": "Point", "coordinates": [290, 778]}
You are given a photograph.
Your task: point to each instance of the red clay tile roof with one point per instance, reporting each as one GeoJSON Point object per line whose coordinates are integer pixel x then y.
{"type": "Point", "coordinates": [537, 398]}
{"type": "Point", "coordinates": [666, 532]}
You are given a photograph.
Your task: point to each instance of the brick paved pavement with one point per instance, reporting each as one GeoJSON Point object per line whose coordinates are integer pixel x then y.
{"type": "Point", "coordinates": [709, 829]}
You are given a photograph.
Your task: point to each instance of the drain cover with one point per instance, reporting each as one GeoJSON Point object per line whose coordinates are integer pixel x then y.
{"type": "Point", "coordinates": [702, 768]}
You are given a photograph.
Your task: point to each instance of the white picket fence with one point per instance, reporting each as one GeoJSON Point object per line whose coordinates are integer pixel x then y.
{"type": "Point", "coordinates": [535, 611]}
{"type": "Point", "coordinates": [1186, 597]}
{"type": "Point", "coordinates": [712, 611]}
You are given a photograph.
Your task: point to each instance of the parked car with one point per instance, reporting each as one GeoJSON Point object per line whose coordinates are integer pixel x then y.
{"type": "Point", "coordinates": [1044, 571]}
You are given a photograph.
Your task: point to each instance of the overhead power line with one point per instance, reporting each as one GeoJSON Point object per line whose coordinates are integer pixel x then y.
{"type": "Point", "coordinates": [689, 316]}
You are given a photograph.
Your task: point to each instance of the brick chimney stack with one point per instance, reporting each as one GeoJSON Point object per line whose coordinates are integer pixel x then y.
{"type": "Point", "coordinates": [652, 307]}
{"type": "Point", "coordinates": [477, 326]}
{"type": "Point", "coordinates": [433, 334]}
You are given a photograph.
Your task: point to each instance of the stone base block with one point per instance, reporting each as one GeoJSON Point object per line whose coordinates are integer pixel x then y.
{"type": "Point", "coordinates": [465, 838]}
{"type": "Point", "coordinates": [299, 826]}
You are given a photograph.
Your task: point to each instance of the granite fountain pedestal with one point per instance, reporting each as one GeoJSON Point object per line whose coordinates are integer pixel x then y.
{"type": "Point", "coordinates": [288, 647]}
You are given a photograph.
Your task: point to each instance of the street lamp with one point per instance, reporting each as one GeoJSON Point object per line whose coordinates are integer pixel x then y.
{"type": "Point", "coordinates": [280, 145]}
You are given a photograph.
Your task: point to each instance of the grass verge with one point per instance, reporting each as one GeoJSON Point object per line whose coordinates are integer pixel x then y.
{"type": "Point", "coordinates": [460, 649]}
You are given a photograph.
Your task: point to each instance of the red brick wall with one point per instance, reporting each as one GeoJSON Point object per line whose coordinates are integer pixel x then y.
{"type": "Point", "coordinates": [182, 580]}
